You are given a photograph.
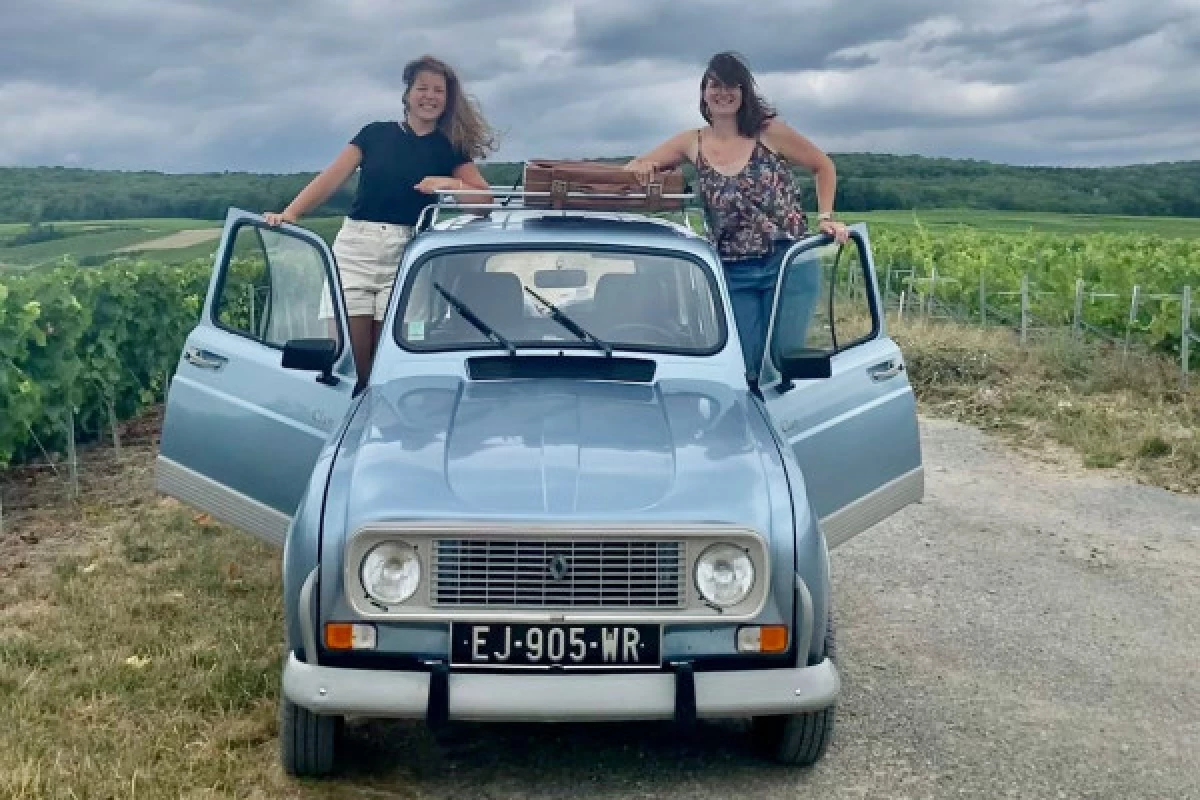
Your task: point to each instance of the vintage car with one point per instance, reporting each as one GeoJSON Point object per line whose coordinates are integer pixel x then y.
{"type": "Point", "coordinates": [535, 513]}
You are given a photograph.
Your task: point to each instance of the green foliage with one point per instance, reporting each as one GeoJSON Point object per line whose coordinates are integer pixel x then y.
{"type": "Point", "coordinates": [865, 182]}
{"type": "Point", "coordinates": [87, 341]}
{"type": "Point", "coordinates": [36, 232]}
{"type": "Point", "coordinates": [1107, 263]}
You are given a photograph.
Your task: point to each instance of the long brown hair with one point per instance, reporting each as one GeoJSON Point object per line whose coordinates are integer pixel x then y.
{"type": "Point", "coordinates": [462, 122]}
{"type": "Point", "coordinates": [729, 69]}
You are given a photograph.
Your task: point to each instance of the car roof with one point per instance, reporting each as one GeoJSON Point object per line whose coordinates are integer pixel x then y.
{"type": "Point", "coordinates": [548, 227]}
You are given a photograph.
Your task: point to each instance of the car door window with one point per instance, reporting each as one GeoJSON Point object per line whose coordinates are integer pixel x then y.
{"type": "Point", "coordinates": [825, 304]}
{"type": "Point", "coordinates": [276, 288]}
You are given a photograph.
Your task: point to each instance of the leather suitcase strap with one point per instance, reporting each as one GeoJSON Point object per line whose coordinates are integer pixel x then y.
{"type": "Point", "coordinates": [563, 178]}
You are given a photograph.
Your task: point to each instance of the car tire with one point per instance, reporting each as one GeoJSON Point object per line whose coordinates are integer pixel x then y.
{"type": "Point", "coordinates": [308, 742]}
{"type": "Point", "coordinates": [799, 740]}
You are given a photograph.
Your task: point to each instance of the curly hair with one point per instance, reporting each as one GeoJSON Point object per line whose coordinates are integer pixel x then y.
{"type": "Point", "coordinates": [462, 122]}
{"type": "Point", "coordinates": [729, 69]}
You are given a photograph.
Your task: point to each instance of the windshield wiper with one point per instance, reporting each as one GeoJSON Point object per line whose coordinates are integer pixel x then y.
{"type": "Point", "coordinates": [570, 324]}
{"type": "Point", "coordinates": [472, 318]}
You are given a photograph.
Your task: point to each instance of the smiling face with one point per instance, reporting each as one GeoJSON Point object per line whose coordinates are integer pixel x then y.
{"type": "Point", "coordinates": [426, 98]}
{"type": "Point", "coordinates": [722, 99]}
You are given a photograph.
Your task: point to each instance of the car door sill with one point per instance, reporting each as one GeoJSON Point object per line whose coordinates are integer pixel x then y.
{"type": "Point", "coordinates": [851, 520]}
{"type": "Point", "coordinates": [223, 503]}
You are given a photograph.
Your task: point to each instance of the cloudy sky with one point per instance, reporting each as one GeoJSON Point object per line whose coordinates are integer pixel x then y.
{"type": "Point", "coordinates": [280, 86]}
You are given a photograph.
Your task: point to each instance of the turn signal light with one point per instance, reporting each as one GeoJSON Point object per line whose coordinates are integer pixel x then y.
{"type": "Point", "coordinates": [349, 636]}
{"type": "Point", "coordinates": [762, 639]}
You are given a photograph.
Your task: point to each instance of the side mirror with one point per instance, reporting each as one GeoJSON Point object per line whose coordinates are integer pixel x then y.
{"type": "Point", "coordinates": [805, 365]}
{"type": "Point", "coordinates": [315, 355]}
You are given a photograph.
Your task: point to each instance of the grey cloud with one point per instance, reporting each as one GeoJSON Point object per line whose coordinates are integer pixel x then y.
{"type": "Point", "coordinates": [268, 86]}
{"type": "Point", "coordinates": [1075, 33]}
{"type": "Point", "coordinates": [848, 61]}
{"type": "Point", "coordinates": [780, 36]}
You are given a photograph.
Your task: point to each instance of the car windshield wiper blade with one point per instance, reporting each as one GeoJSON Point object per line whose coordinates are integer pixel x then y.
{"type": "Point", "coordinates": [570, 324]}
{"type": "Point", "coordinates": [471, 317]}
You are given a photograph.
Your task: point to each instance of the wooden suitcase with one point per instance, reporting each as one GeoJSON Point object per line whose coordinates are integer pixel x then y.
{"type": "Point", "coordinates": [600, 187]}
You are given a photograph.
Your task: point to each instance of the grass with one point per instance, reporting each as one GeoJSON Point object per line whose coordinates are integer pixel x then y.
{"type": "Point", "coordinates": [144, 663]}
{"type": "Point", "coordinates": [1132, 415]}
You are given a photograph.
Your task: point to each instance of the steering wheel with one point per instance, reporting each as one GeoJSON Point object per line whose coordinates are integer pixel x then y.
{"type": "Point", "coordinates": [658, 334]}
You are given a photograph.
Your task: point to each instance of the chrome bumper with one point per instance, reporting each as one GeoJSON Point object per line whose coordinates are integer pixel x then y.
{"type": "Point", "coordinates": [550, 697]}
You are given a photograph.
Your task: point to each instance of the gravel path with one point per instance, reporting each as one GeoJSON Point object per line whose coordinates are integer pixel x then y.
{"type": "Point", "coordinates": [1030, 630]}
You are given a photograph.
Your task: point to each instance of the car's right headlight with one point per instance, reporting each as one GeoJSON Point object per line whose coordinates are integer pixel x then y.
{"type": "Point", "coordinates": [391, 572]}
{"type": "Point", "coordinates": [724, 575]}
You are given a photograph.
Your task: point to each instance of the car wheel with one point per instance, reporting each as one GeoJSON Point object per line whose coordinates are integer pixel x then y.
{"type": "Point", "coordinates": [799, 739]}
{"type": "Point", "coordinates": [308, 742]}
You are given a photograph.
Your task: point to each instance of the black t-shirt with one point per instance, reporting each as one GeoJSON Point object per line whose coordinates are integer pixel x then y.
{"type": "Point", "coordinates": [394, 160]}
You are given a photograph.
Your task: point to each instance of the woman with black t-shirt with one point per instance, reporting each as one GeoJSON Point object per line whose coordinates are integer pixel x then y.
{"type": "Point", "coordinates": [402, 164]}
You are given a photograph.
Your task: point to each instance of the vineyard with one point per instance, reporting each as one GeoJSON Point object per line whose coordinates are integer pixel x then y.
{"type": "Point", "coordinates": [1093, 276]}
{"type": "Point", "coordinates": [87, 347]}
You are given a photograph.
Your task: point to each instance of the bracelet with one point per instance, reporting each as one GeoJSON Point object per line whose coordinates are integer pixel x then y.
{"type": "Point", "coordinates": [825, 215]}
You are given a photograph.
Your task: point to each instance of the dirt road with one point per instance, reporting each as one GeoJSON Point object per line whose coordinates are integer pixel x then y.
{"type": "Point", "coordinates": [175, 241]}
{"type": "Point", "coordinates": [1028, 631]}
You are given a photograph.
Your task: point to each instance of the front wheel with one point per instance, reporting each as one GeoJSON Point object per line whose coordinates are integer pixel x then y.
{"type": "Point", "coordinates": [799, 740]}
{"type": "Point", "coordinates": [308, 742]}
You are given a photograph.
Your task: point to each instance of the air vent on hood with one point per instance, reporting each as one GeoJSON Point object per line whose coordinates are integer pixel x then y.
{"type": "Point", "coordinates": [574, 367]}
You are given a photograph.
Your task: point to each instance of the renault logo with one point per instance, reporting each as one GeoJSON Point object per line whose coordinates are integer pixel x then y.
{"type": "Point", "coordinates": [558, 567]}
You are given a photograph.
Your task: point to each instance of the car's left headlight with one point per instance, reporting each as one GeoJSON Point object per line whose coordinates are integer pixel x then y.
{"type": "Point", "coordinates": [724, 575]}
{"type": "Point", "coordinates": [391, 572]}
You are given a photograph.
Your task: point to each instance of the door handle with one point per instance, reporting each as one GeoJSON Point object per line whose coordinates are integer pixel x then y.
{"type": "Point", "coordinates": [205, 359]}
{"type": "Point", "coordinates": [886, 370]}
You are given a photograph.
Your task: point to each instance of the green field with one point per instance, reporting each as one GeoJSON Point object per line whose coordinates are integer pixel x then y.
{"type": "Point", "coordinates": [89, 242]}
{"type": "Point", "coordinates": [1036, 222]}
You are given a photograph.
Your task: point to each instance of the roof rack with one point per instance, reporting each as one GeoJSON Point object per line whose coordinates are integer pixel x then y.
{"type": "Point", "coordinates": [512, 199]}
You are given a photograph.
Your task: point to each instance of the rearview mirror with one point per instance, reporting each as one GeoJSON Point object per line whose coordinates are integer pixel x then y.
{"type": "Point", "coordinates": [805, 365]}
{"type": "Point", "coordinates": [315, 355]}
{"type": "Point", "coordinates": [560, 278]}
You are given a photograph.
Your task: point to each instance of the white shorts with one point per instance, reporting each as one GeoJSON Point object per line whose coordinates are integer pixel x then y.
{"type": "Point", "coordinates": [368, 255]}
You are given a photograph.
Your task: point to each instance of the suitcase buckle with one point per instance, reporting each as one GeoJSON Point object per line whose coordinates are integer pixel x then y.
{"type": "Point", "coordinates": [558, 193]}
{"type": "Point", "coordinates": [654, 192]}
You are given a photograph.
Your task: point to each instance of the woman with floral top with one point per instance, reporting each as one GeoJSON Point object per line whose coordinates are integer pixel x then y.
{"type": "Point", "coordinates": [743, 161]}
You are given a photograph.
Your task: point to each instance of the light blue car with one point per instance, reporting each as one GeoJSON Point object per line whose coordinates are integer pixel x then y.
{"type": "Point", "coordinates": [545, 513]}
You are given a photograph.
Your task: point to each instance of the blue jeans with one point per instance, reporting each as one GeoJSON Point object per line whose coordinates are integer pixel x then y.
{"type": "Point", "coordinates": [752, 285]}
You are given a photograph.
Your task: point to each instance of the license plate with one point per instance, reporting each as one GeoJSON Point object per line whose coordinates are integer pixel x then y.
{"type": "Point", "coordinates": [492, 644]}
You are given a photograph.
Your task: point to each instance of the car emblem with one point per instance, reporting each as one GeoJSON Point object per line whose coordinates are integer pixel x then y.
{"type": "Point", "coordinates": [558, 567]}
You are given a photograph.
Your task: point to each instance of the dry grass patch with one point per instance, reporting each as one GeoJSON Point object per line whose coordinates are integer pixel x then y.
{"type": "Point", "coordinates": [140, 649]}
{"type": "Point", "coordinates": [1129, 414]}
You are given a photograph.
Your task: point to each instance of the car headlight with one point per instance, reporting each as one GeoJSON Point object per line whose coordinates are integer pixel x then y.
{"type": "Point", "coordinates": [724, 575]}
{"type": "Point", "coordinates": [391, 572]}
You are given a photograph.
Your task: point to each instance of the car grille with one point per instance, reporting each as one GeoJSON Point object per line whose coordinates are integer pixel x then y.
{"type": "Point", "coordinates": [621, 574]}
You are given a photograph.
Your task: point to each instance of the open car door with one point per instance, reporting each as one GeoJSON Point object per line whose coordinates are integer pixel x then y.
{"type": "Point", "coordinates": [835, 386]}
{"type": "Point", "coordinates": [265, 377]}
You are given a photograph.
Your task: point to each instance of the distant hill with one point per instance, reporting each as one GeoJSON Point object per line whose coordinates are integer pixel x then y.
{"type": "Point", "coordinates": [866, 182]}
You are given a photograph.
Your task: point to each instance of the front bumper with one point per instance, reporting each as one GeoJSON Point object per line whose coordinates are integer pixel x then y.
{"type": "Point", "coordinates": [552, 697]}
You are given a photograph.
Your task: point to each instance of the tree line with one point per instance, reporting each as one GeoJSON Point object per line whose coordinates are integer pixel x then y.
{"type": "Point", "coordinates": [866, 182]}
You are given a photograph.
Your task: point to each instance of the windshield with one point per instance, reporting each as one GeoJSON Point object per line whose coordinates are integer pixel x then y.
{"type": "Point", "coordinates": [560, 299]}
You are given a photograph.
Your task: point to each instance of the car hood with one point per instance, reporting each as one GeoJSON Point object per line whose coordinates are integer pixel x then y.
{"type": "Point", "coordinates": [443, 448]}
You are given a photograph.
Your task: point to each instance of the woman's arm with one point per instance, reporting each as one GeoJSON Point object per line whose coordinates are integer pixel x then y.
{"type": "Point", "coordinates": [321, 187]}
{"type": "Point", "coordinates": [670, 153]}
{"type": "Point", "coordinates": [785, 140]}
{"type": "Point", "coordinates": [464, 176]}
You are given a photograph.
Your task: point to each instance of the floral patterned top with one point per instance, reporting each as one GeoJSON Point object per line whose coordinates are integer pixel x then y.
{"type": "Point", "coordinates": [748, 211]}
